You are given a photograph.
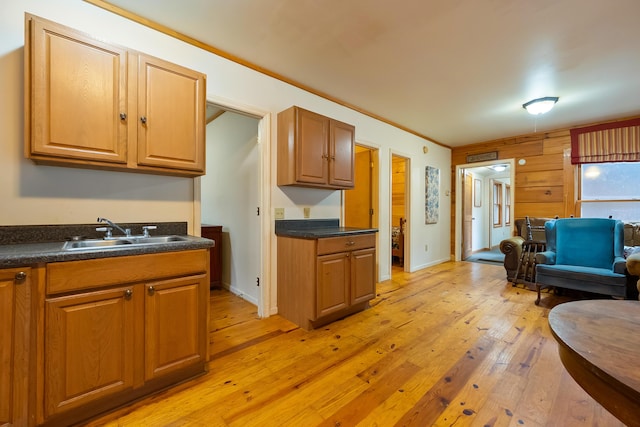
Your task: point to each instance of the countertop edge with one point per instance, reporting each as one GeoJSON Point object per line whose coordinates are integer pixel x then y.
{"type": "Point", "coordinates": [323, 233]}
{"type": "Point", "coordinates": [26, 254]}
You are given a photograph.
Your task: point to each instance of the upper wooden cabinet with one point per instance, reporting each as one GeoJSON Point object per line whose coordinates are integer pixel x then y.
{"type": "Point", "coordinates": [97, 105]}
{"type": "Point", "coordinates": [171, 110]}
{"type": "Point", "coordinates": [314, 150]}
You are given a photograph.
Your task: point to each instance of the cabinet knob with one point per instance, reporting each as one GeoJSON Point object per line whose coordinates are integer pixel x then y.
{"type": "Point", "coordinates": [123, 116]}
{"type": "Point", "coordinates": [143, 119]}
{"type": "Point", "coordinates": [20, 277]}
{"type": "Point", "coordinates": [351, 243]}
{"type": "Point", "coordinates": [151, 290]}
{"type": "Point", "coordinates": [128, 293]}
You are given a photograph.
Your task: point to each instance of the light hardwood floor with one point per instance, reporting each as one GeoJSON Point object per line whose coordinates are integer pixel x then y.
{"type": "Point", "coordinates": [450, 345]}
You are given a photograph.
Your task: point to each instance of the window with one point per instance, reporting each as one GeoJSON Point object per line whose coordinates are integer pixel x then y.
{"type": "Point", "coordinates": [497, 204]}
{"type": "Point", "coordinates": [610, 189]}
{"type": "Point", "coordinates": [507, 204]}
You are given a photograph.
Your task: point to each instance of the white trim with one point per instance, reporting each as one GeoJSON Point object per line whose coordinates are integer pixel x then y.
{"type": "Point", "coordinates": [267, 279]}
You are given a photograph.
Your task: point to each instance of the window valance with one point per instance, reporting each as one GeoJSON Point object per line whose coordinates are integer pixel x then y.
{"type": "Point", "coordinates": [608, 142]}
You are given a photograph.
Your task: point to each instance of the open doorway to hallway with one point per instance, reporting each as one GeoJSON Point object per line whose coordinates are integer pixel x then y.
{"type": "Point", "coordinates": [230, 197]}
{"type": "Point", "coordinates": [484, 210]}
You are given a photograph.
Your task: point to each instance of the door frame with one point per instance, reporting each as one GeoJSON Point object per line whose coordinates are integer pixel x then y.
{"type": "Point", "coordinates": [457, 252]}
{"type": "Point", "coordinates": [375, 196]}
{"type": "Point", "coordinates": [266, 306]}
{"type": "Point", "coordinates": [407, 203]}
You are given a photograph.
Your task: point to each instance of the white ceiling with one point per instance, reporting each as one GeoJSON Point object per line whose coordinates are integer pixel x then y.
{"type": "Point", "coordinates": [455, 71]}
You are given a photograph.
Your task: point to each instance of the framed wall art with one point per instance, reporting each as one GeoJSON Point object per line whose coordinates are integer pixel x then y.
{"type": "Point", "coordinates": [477, 193]}
{"type": "Point", "coordinates": [432, 195]}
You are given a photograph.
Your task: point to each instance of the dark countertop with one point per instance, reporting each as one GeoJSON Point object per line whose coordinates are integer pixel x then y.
{"type": "Point", "coordinates": [24, 254]}
{"type": "Point", "coordinates": [29, 245]}
{"type": "Point", "coordinates": [317, 228]}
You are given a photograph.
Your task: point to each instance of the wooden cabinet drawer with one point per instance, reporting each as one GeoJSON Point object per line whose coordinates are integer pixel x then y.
{"type": "Point", "coordinates": [85, 274]}
{"type": "Point", "coordinates": [331, 245]}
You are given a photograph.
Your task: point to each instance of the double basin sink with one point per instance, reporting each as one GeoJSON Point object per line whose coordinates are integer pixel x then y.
{"type": "Point", "coordinates": [119, 242]}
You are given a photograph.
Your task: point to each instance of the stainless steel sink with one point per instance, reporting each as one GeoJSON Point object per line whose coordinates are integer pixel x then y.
{"type": "Point", "coordinates": [156, 239]}
{"type": "Point", "coordinates": [94, 243]}
{"type": "Point", "coordinates": [120, 242]}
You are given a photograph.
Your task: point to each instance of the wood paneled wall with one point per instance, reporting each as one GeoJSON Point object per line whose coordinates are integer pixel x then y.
{"type": "Point", "coordinates": [545, 186]}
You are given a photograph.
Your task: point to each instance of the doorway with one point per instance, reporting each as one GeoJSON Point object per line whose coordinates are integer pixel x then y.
{"type": "Point", "coordinates": [230, 196]}
{"type": "Point", "coordinates": [399, 213]}
{"type": "Point", "coordinates": [476, 227]}
{"type": "Point", "coordinates": [361, 203]}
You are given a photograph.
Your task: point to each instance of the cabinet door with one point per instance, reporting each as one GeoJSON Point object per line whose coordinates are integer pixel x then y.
{"type": "Point", "coordinates": [312, 136]}
{"type": "Point", "coordinates": [214, 232]}
{"type": "Point", "coordinates": [14, 339]}
{"type": "Point", "coordinates": [332, 283]}
{"type": "Point", "coordinates": [89, 347]}
{"type": "Point", "coordinates": [363, 270]}
{"type": "Point", "coordinates": [175, 324]}
{"type": "Point", "coordinates": [342, 154]}
{"type": "Point", "coordinates": [171, 115]}
{"type": "Point", "coordinates": [78, 91]}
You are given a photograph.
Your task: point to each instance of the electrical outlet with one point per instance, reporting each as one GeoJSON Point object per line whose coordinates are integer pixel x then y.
{"type": "Point", "coordinates": [279, 213]}
{"type": "Point", "coordinates": [307, 212]}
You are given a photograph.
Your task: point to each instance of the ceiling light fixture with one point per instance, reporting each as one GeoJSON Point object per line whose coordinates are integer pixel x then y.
{"type": "Point", "coordinates": [540, 105]}
{"type": "Point", "coordinates": [498, 168]}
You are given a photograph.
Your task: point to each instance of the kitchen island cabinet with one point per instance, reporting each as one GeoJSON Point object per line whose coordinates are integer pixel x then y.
{"type": "Point", "coordinates": [315, 150]}
{"type": "Point", "coordinates": [321, 280]}
{"type": "Point", "coordinates": [93, 104]}
{"type": "Point", "coordinates": [15, 291]}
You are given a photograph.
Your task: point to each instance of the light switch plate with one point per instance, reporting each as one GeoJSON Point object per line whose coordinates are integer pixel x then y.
{"type": "Point", "coordinates": [279, 213]}
{"type": "Point", "coordinates": [307, 212]}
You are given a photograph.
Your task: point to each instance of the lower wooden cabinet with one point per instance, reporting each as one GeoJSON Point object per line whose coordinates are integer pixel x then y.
{"type": "Point", "coordinates": [15, 285]}
{"type": "Point", "coordinates": [112, 337]}
{"type": "Point", "coordinates": [173, 317]}
{"type": "Point", "coordinates": [321, 280]}
{"type": "Point", "coordinates": [89, 347]}
{"type": "Point", "coordinates": [344, 279]}
{"type": "Point", "coordinates": [214, 232]}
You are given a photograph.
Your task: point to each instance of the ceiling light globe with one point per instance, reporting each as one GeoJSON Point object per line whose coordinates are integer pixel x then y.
{"type": "Point", "coordinates": [540, 105]}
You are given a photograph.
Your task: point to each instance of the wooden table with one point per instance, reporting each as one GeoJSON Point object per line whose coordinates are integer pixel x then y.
{"type": "Point", "coordinates": [599, 345]}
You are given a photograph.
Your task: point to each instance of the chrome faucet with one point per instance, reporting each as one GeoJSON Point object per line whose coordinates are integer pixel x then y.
{"type": "Point", "coordinates": [125, 231]}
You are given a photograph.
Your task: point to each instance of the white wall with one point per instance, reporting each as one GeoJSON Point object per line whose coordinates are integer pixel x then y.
{"type": "Point", "coordinates": [46, 195]}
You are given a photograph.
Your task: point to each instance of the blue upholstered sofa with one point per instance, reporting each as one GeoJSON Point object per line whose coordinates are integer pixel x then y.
{"type": "Point", "coordinates": [584, 254]}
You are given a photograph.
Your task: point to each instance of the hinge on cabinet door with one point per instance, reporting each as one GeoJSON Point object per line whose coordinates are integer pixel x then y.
{"type": "Point", "coordinates": [258, 208]}
{"type": "Point", "coordinates": [257, 281]}
{"type": "Point", "coordinates": [371, 212]}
